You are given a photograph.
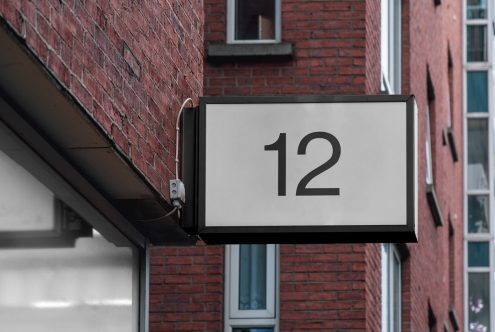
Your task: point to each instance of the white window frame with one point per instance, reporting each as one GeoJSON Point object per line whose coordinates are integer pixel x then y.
{"type": "Point", "coordinates": [231, 26]}
{"type": "Point", "coordinates": [391, 44]}
{"type": "Point", "coordinates": [389, 253]}
{"type": "Point", "coordinates": [429, 154]}
{"type": "Point", "coordinates": [235, 318]}
{"type": "Point", "coordinates": [490, 235]}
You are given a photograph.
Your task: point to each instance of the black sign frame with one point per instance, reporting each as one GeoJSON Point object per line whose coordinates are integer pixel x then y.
{"type": "Point", "coordinates": [194, 178]}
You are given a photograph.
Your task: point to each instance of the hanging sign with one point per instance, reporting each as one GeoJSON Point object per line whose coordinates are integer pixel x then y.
{"type": "Point", "coordinates": [314, 169]}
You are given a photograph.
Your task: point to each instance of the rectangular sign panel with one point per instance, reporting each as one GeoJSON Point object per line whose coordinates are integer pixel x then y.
{"type": "Point", "coordinates": [307, 169]}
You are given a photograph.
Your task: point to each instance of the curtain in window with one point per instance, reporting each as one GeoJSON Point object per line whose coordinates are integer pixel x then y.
{"type": "Point", "coordinates": [252, 277]}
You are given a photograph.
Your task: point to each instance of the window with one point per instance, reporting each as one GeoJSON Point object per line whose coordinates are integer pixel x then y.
{"type": "Point", "coordinates": [477, 91]}
{"type": "Point", "coordinates": [476, 9]}
{"type": "Point", "coordinates": [391, 46]}
{"type": "Point", "coordinates": [64, 267]}
{"type": "Point", "coordinates": [430, 153]}
{"type": "Point", "coordinates": [479, 185]}
{"type": "Point", "coordinates": [251, 288]}
{"type": "Point", "coordinates": [391, 289]}
{"type": "Point", "coordinates": [476, 43]}
{"type": "Point", "coordinates": [450, 113]}
{"type": "Point", "coordinates": [253, 21]}
{"type": "Point", "coordinates": [477, 31]}
{"type": "Point", "coordinates": [477, 154]}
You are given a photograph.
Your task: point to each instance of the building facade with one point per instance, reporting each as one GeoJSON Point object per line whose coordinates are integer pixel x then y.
{"type": "Point", "coordinates": [345, 47]}
{"type": "Point", "coordinates": [91, 90]}
{"type": "Point", "coordinates": [478, 113]}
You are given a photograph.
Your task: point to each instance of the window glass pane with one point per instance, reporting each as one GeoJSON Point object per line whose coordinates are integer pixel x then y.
{"type": "Point", "coordinates": [476, 9]}
{"type": "Point", "coordinates": [254, 19]}
{"type": "Point", "coordinates": [87, 287]}
{"type": "Point", "coordinates": [477, 171]}
{"type": "Point", "coordinates": [477, 91]}
{"type": "Point", "coordinates": [479, 303]}
{"type": "Point", "coordinates": [429, 157]}
{"type": "Point", "coordinates": [253, 329]}
{"type": "Point", "coordinates": [20, 189]}
{"type": "Point", "coordinates": [478, 214]}
{"type": "Point", "coordinates": [397, 294]}
{"type": "Point", "coordinates": [252, 277]}
{"type": "Point", "coordinates": [476, 42]}
{"type": "Point", "coordinates": [66, 277]}
{"type": "Point", "coordinates": [478, 253]}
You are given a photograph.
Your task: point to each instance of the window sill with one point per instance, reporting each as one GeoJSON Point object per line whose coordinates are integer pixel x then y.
{"type": "Point", "coordinates": [218, 51]}
{"type": "Point", "coordinates": [434, 206]}
{"type": "Point", "coordinates": [453, 146]}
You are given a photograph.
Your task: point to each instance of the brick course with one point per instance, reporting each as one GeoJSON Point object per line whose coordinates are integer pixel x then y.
{"type": "Point", "coordinates": [129, 64]}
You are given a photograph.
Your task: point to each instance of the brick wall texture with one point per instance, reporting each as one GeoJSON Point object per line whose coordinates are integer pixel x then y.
{"type": "Point", "coordinates": [130, 64]}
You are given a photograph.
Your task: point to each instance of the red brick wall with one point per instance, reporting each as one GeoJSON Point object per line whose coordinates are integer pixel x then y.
{"type": "Point", "coordinates": [129, 63]}
{"type": "Point", "coordinates": [186, 288]}
{"type": "Point", "coordinates": [329, 39]}
{"type": "Point", "coordinates": [322, 287]}
{"type": "Point", "coordinates": [373, 287]}
{"type": "Point", "coordinates": [429, 32]}
{"type": "Point", "coordinates": [373, 41]}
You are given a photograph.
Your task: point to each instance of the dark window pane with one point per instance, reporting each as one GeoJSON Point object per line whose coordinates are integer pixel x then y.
{"type": "Point", "coordinates": [476, 9]}
{"type": "Point", "coordinates": [479, 301]}
{"type": "Point", "coordinates": [477, 91]}
{"type": "Point", "coordinates": [252, 277]}
{"type": "Point", "coordinates": [253, 329]}
{"type": "Point", "coordinates": [478, 253]}
{"type": "Point", "coordinates": [476, 43]}
{"type": "Point", "coordinates": [478, 214]}
{"type": "Point", "coordinates": [254, 19]}
{"type": "Point", "coordinates": [477, 154]}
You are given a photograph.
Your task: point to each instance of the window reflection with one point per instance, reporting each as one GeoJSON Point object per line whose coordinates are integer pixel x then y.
{"type": "Point", "coordinates": [476, 43]}
{"type": "Point", "coordinates": [477, 171]}
{"type": "Point", "coordinates": [84, 288]}
{"type": "Point", "coordinates": [479, 302]}
{"type": "Point", "coordinates": [476, 9]}
{"type": "Point", "coordinates": [478, 214]}
{"type": "Point", "coordinates": [19, 190]}
{"type": "Point", "coordinates": [255, 20]}
{"type": "Point", "coordinates": [252, 277]}
{"type": "Point", "coordinates": [57, 273]}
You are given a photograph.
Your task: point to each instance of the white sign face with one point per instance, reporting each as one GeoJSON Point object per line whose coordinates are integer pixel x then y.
{"type": "Point", "coordinates": [309, 164]}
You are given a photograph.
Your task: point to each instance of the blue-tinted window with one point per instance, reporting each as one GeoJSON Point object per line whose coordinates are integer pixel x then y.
{"type": "Point", "coordinates": [478, 254]}
{"type": "Point", "coordinates": [477, 91]}
{"type": "Point", "coordinates": [252, 277]}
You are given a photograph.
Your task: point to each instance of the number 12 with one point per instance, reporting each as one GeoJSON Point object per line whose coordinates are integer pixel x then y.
{"type": "Point", "coordinates": [280, 145]}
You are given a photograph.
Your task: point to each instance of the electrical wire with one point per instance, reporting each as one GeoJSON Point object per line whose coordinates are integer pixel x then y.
{"type": "Point", "coordinates": [158, 218]}
{"type": "Point", "coordinates": [177, 130]}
